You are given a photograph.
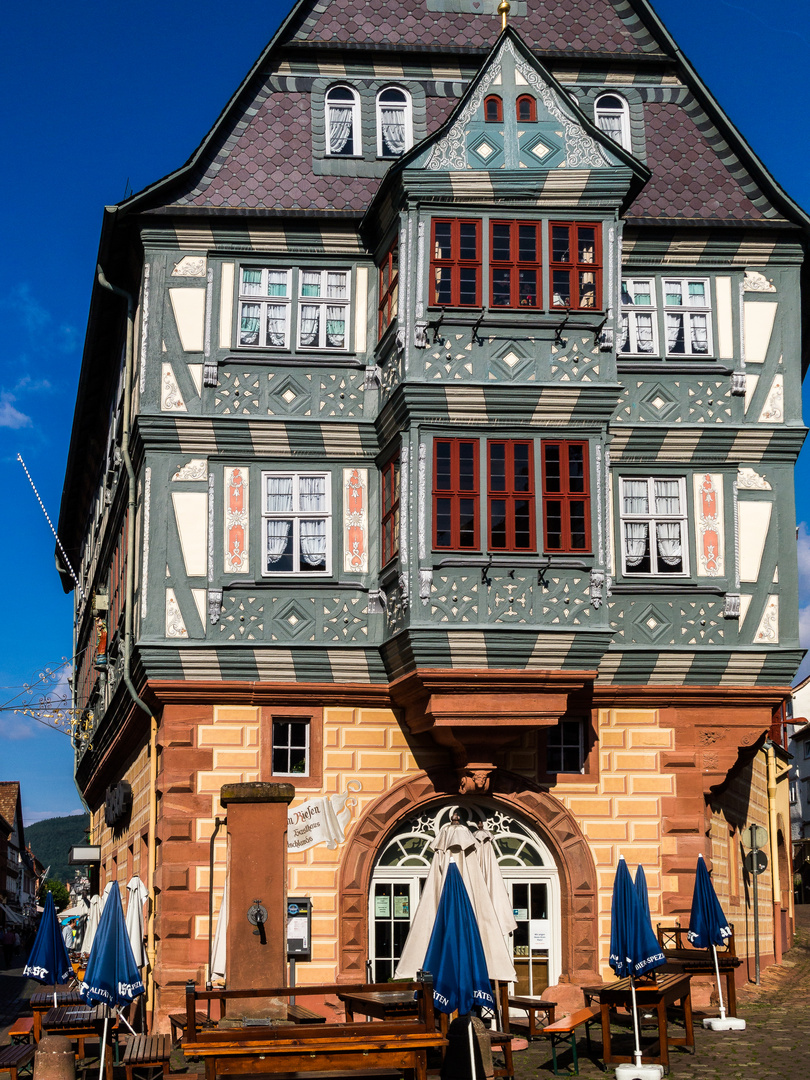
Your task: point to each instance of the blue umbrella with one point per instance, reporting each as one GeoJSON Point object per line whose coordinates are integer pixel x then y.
{"type": "Point", "coordinates": [641, 892]}
{"type": "Point", "coordinates": [634, 949]}
{"type": "Point", "coordinates": [709, 926]}
{"type": "Point", "coordinates": [49, 962]}
{"type": "Point", "coordinates": [455, 955]}
{"type": "Point", "coordinates": [112, 976]}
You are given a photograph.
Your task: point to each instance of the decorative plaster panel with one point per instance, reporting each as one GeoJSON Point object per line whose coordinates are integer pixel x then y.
{"type": "Point", "coordinates": [175, 625]}
{"type": "Point", "coordinates": [768, 629]}
{"type": "Point", "coordinates": [171, 400]}
{"type": "Point", "coordinates": [709, 529]}
{"type": "Point", "coordinates": [196, 469]}
{"type": "Point", "coordinates": [188, 306]}
{"type": "Point", "coordinates": [190, 514]}
{"type": "Point", "coordinates": [773, 411]}
{"type": "Point", "coordinates": [755, 520]}
{"type": "Point", "coordinates": [190, 266]}
{"type": "Point", "coordinates": [237, 532]}
{"type": "Point", "coordinates": [355, 521]}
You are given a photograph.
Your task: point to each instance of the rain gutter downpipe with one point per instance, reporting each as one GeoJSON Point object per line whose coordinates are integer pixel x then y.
{"type": "Point", "coordinates": [128, 610]}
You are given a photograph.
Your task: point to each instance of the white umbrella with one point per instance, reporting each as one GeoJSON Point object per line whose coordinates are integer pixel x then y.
{"type": "Point", "coordinates": [92, 923]}
{"type": "Point", "coordinates": [218, 951]}
{"type": "Point", "coordinates": [493, 877]}
{"type": "Point", "coordinates": [456, 844]}
{"type": "Point", "coordinates": [137, 895]}
{"type": "Point", "coordinates": [105, 894]}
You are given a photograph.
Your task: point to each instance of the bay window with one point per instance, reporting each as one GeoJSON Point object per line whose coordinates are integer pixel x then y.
{"type": "Point", "coordinates": [566, 496]}
{"type": "Point", "coordinates": [455, 494]}
{"type": "Point", "coordinates": [264, 307]}
{"type": "Point", "coordinates": [390, 510]}
{"type": "Point", "coordinates": [510, 497]}
{"type": "Point", "coordinates": [638, 329]}
{"type": "Point", "coordinates": [455, 263]}
{"type": "Point", "coordinates": [575, 266]}
{"type": "Point", "coordinates": [296, 523]}
{"type": "Point", "coordinates": [273, 299]}
{"type": "Point", "coordinates": [515, 264]}
{"type": "Point", "coordinates": [389, 290]}
{"type": "Point", "coordinates": [653, 523]}
{"type": "Point", "coordinates": [323, 309]}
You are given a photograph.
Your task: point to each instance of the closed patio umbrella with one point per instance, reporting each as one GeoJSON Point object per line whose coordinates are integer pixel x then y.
{"type": "Point", "coordinates": [93, 917]}
{"type": "Point", "coordinates": [456, 845]}
{"type": "Point", "coordinates": [137, 894]}
{"type": "Point", "coordinates": [49, 961]}
{"type": "Point", "coordinates": [709, 926]}
{"type": "Point", "coordinates": [634, 951]}
{"type": "Point", "coordinates": [112, 975]}
{"type": "Point", "coordinates": [218, 951]}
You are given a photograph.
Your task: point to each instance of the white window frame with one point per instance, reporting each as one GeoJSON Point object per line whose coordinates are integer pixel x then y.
{"type": "Point", "coordinates": [602, 111]}
{"type": "Point", "coordinates": [794, 794]}
{"type": "Point", "coordinates": [356, 132]}
{"type": "Point", "coordinates": [565, 744]}
{"type": "Point", "coordinates": [653, 519]}
{"type": "Point", "coordinates": [406, 107]}
{"type": "Point", "coordinates": [296, 516]}
{"type": "Point", "coordinates": [287, 746]}
{"type": "Point", "coordinates": [324, 301]}
{"type": "Point", "coordinates": [630, 318]}
{"type": "Point", "coordinates": [264, 301]}
{"type": "Point", "coordinates": [690, 312]}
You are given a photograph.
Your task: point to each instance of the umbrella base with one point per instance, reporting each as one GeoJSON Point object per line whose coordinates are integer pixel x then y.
{"type": "Point", "coordinates": [728, 1023]}
{"type": "Point", "coordinates": [639, 1072]}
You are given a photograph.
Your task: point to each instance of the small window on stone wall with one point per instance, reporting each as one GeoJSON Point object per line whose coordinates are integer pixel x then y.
{"type": "Point", "coordinates": [291, 750]}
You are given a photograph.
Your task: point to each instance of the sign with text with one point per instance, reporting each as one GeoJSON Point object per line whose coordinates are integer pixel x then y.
{"type": "Point", "coordinates": [322, 820]}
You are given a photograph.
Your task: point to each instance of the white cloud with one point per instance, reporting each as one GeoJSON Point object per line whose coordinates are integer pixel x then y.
{"type": "Point", "coordinates": [16, 727]}
{"type": "Point", "coordinates": [9, 416]}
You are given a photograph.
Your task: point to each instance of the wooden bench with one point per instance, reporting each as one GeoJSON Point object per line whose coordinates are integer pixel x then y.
{"type": "Point", "coordinates": [686, 959]}
{"type": "Point", "coordinates": [566, 1028]}
{"type": "Point", "coordinates": [23, 1029]}
{"type": "Point", "coordinates": [299, 1015]}
{"type": "Point", "coordinates": [15, 1057]}
{"type": "Point", "coordinates": [178, 1023]}
{"type": "Point", "coordinates": [147, 1052]}
{"type": "Point", "coordinates": [502, 1040]}
{"type": "Point", "coordinates": [532, 1006]}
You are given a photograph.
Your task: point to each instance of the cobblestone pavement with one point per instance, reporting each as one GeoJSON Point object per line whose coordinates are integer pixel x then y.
{"type": "Point", "coordinates": [774, 1044]}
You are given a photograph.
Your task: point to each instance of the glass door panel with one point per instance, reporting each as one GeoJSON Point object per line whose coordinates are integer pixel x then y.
{"type": "Point", "coordinates": [532, 937]}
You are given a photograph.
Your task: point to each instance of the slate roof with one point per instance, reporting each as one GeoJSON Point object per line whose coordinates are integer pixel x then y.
{"type": "Point", "coordinates": [689, 178]}
{"type": "Point", "coordinates": [567, 26]}
{"type": "Point", "coordinates": [9, 800]}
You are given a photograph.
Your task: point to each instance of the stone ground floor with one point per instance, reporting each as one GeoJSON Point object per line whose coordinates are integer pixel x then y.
{"type": "Point", "coordinates": [774, 1043]}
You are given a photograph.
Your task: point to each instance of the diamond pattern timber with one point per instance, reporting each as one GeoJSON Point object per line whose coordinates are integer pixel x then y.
{"type": "Point", "coordinates": [242, 618]}
{"type": "Point", "coordinates": [454, 596]}
{"type": "Point", "coordinates": [341, 394]}
{"type": "Point", "coordinates": [511, 599]}
{"type": "Point", "coordinates": [237, 392]}
{"type": "Point", "coordinates": [682, 622]}
{"type": "Point", "coordinates": [576, 361]}
{"type": "Point", "coordinates": [566, 600]}
{"type": "Point", "coordinates": [450, 359]}
{"type": "Point", "coordinates": [683, 401]}
{"type": "Point", "coordinates": [344, 619]}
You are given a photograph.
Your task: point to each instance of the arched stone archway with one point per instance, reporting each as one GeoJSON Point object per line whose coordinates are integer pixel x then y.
{"type": "Point", "coordinates": [580, 960]}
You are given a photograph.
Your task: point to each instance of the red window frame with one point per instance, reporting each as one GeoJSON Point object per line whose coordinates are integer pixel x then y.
{"type": "Point", "coordinates": [493, 99]}
{"type": "Point", "coordinates": [512, 495]}
{"type": "Point", "coordinates": [455, 263]}
{"type": "Point", "coordinates": [532, 117]}
{"type": "Point", "coordinates": [455, 494]}
{"type": "Point", "coordinates": [566, 496]}
{"type": "Point", "coordinates": [389, 496]}
{"type": "Point", "coordinates": [389, 289]}
{"type": "Point", "coordinates": [514, 265]}
{"type": "Point", "coordinates": [574, 268]}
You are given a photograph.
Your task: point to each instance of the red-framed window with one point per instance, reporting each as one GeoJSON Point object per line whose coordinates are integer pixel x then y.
{"type": "Point", "coordinates": [575, 265]}
{"type": "Point", "coordinates": [390, 509]}
{"type": "Point", "coordinates": [455, 264]}
{"type": "Point", "coordinates": [515, 260]}
{"type": "Point", "coordinates": [455, 494]}
{"type": "Point", "coordinates": [389, 289]}
{"type": "Point", "coordinates": [510, 495]}
{"type": "Point", "coordinates": [566, 496]}
{"type": "Point", "coordinates": [493, 109]}
{"type": "Point", "coordinates": [526, 109]}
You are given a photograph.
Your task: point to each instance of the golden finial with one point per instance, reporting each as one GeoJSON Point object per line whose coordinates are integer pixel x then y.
{"type": "Point", "coordinates": [503, 11]}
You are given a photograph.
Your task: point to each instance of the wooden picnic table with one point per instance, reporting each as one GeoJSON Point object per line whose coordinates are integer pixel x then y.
{"type": "Point", "coordinates": [657, 996]}
{"type": "Point", "coordinates": [42, 1001]}
{"type": "Point", "coordinates": [78, 1022]}
{"type": "Point", "coordinates": [381, 1004]}
{"type": "Point", "coordinates": [345, 1050]}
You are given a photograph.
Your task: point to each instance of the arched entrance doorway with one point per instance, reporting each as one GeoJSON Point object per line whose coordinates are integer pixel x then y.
{"type": "Point", "coordinates": [541, 813]}
{"type": "Point", "coordinates": [528, 869]}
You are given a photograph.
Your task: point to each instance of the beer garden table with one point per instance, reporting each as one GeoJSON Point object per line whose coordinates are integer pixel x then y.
{"type": "Point", "coordinates": [666, 990]}
{"type": "Point", "coordinates": [77, 1022]}
{"type": "Point", "coordinates": [42, 1002]}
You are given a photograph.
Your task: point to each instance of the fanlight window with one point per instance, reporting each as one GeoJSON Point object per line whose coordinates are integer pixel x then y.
{"type": "Point", "coordinates": [342, 122]}
{"type": "Point", "coordinates": [526, 109]}
{"type": "Point", "coordinates": [394, 124]}
{"type": "Point", "coordinates": [612, 117]}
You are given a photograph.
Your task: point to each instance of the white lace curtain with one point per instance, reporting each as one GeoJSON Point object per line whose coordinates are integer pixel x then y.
{"type": "Point", "coordinates": [310, 324]}
{"type": "Point", "coordinates": [635, 541]}
{"type": "Point", "coordinates": [312, 494]}
{"type": "Point", "coordinates": [335, 327]}
{"type": "Point", "coordinates": [392, 122]}
{"type": "Point", "coordinates": [276, 324]}
{"type": "Point", "coordinates": [279, 495]}
{"type": "Point", "coordinates": [313, 542]}
{"type": "Point", "coordinates": [667, 497]}
{"type": "Point", "coordinates": [340, 127]}
{"type": "Point", "coordinates": [277, 535]}
{"type": "Point", "coordinates": [249, 324]}
{"type": "Point", "coordinates": [668, 535]}
{"type": "Point", "coordinates": [636, 497]}
{"type": "Point", "coordinates": [611, 125]}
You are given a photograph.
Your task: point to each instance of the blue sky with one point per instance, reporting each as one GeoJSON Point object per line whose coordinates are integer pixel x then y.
{"type": "Point", "coordinates": [99, 99]}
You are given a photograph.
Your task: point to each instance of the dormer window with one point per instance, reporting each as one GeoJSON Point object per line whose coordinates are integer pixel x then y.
{"type": "Point", "coordinates": [342, 122]}
{"type": "Point", "coordinates": [526, 109]}
{"type": "Point", "coordinates": [394, 126]}
{"type": "Point", "coordinates": [612, 116]}
{"type": "Point", "coordinates": [493, 109]}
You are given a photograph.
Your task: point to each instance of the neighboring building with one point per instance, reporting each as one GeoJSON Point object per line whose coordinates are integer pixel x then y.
{"type": "Point", "coordinates": [465, 381]}
{"type": "Point", "coordinates": [18, 879]}
{"type": "Point", "coordinates": [799, 747]}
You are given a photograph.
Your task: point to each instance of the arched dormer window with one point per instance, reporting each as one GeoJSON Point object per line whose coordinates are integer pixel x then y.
{"type": "Point", "coordinates": [493, 109]}
{"type": "Point", "coordinates": [394, 122]}
{"type": "Point", "coordinates": [613, 117]}
{"type": "Point", "coordinates": [526, 109]}
{"type": "Point", "coordinates": [342, 122]}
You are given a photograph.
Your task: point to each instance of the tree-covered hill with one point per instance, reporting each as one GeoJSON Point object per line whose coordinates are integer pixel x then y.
{"type": "Point", "coordinates": [52, 839]}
